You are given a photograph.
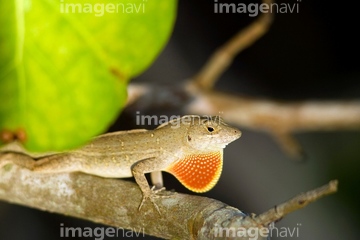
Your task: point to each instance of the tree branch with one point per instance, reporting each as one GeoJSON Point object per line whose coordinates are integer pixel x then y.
{"type": "Point", "coordinates": [99, 200]}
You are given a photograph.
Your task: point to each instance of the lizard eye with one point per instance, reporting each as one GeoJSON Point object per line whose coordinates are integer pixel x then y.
{"type": "Point", "coordinates": [210, 129]}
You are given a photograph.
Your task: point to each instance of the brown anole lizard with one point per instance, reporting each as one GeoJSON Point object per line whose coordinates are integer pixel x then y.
{"type": "Point", "coordinates": [190, 148]}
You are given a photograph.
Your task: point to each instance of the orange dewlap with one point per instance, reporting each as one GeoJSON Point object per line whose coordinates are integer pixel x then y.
{"type": "Point", "coordinates": [198, 172]}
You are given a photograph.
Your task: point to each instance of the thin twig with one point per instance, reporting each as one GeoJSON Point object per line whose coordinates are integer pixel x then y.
{"type": "Point", "coordinates": [222, 58]}
{"type": "Point", "coordinates": [296, 203]}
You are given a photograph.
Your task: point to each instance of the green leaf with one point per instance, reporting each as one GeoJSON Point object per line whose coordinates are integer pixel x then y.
{"type": "Point", "coordinates": [65, 65]}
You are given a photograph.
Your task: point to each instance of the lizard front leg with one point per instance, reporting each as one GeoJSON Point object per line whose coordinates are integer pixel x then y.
{"type": "Point", "coordinates": [139, 170]}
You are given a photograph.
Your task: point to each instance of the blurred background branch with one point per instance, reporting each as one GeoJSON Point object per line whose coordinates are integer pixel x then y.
{"type": "Point", "coordinates": [280, 119]}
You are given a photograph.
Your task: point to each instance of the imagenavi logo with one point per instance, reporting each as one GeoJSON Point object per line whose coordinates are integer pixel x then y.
{"type": "Point", "coordinates": [254, 9]}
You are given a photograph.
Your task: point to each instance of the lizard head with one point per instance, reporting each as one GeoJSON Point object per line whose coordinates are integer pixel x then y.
{"type": "Point", "coordinates": [205, 137]}
{"type": "Point", "coordinates": [209, 133]}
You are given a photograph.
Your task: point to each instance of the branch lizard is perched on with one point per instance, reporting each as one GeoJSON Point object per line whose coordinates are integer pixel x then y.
{"type": "Point", "coordinates": [190, 148]}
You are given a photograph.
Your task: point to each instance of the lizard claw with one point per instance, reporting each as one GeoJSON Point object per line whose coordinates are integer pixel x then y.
{"type": "Point", "coordinates": [152, 194]}
{"type": "Point", "coordinates": [151, 197]}
{"type": "Point", "coordinates": [156, 190]}
{"type": "Point", "coordinates": [160, 192]}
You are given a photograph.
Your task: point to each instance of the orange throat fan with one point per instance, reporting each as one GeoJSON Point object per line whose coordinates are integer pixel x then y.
{"type": "Point", "coordinates": [198, 172]}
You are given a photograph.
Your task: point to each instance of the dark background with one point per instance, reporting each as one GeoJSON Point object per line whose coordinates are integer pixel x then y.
{"type": "Point", "coordinates": [308, 55]}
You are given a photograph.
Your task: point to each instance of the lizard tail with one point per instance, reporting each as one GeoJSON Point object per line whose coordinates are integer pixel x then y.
{"type": "Point", "coordinates": [18, 159]}
{"type": "Point", "coordinates": [57, 163]}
